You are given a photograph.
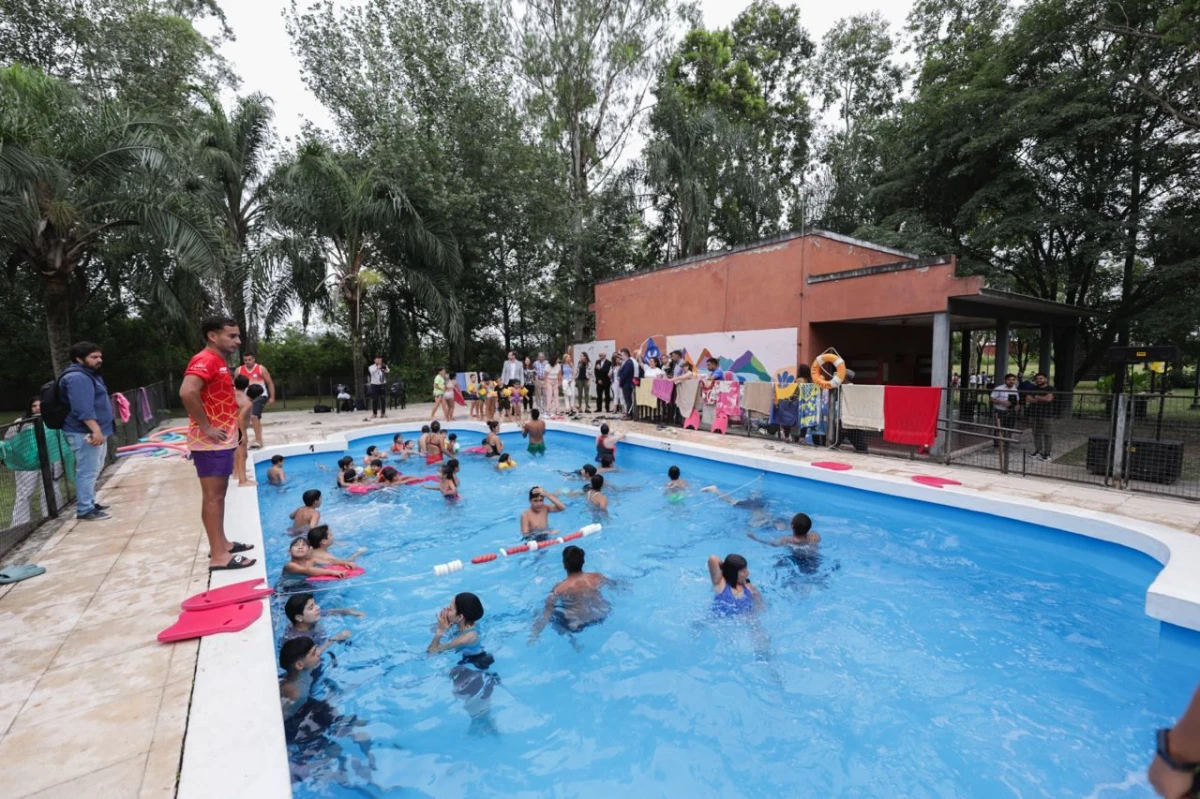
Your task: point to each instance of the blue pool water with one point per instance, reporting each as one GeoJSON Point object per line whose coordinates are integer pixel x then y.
{"type": "Point", "coordinates": [931, 653]}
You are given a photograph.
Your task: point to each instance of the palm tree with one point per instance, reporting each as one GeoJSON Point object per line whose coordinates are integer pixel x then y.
{"type": "Point", "coordinates": [74, 176]}
{"type": "Point", "coordinates": [360, 220]}
{"type": "Point", "coordinates": [231, 152]}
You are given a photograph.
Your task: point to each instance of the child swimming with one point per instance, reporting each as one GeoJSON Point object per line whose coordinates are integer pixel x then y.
{"type": "Point", "coordinates": [373, 454]}
{"type": "Point", "coordinates": [733, 593]}
{"type": "Point", "coordinates": [304, 617]}
{"type": "Point", "coordinates": [506, 462]}
{"type": "Point", "coordinates": [303, 564]}
{"type": "Point", "coordinates": [471, 679]}
{"type": "Point", "coordinates": [320, 538]}
{"type": "Point", "coordinates": [674, 481]}
{"type": "Point", "coordinates": [401, 447]}
{"type": "Point", "coordinates": [345, 464]}
{"type": "Point", "coordinates": [308, 515]}
{"type": "Point", "coordinates": [448, 480]}
{"type": "Point", "coordinates": [275, 475]}
{"type": "Point", "coordinates": [595, 494]}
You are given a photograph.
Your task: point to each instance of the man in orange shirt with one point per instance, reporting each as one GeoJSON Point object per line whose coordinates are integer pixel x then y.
{"type": "Point", "coordinates": [207, 394]}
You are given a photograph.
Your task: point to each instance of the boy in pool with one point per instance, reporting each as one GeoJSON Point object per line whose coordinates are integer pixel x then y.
{"type": "Point", "coordinates": [373, 470]}
{"type": "Point", "coordinates": [472, 681]}
{"type": "Point", "coordinates": [374, 453]}
{"type": "Point", "coordinates": [305, 719]}
{"type": "Point", "coordinates": [304, 617]}
{"type": "Point", "coordinates": [344, 463]}
{"type": "Point", "coordinates": [425, 433]}
{"type": "Point", "coordinates": [595, 494]}
{"type": "Point", "coordinates": [302, 563]}
{"type": "Point", "coordinates": [320, 538]}
{"type": "Point", "coordinates": [576, 602]}
{"type": "Point", "coordinates": [347, 478]}
{"type": "Point", "coordinates": [505, 463]}
{"type": "Point", "coordinates": [308, 515]}
{"type": "Point", "coordinates": [802, 535]}
{"type": "Point", "coordinates": [674, 482]}
{"type": "Point", "coordinates": [535, 431]}
{"type": "Point", "coordinates": [391, 476]}
{"type": "Point", "coordinates": [536, 519]}
{"type": "Point", "coordinates": [275, 475]}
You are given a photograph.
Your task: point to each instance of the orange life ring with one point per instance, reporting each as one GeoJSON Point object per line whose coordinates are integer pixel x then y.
{"type": "Point", "coordinates": [818, 374]}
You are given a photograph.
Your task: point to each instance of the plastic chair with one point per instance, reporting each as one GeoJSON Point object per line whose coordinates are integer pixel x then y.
{"type": "Point", "coordinates": [693, 421]}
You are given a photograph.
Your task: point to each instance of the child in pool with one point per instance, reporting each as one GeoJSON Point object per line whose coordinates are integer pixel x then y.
{"type": "Point", "coordinates": [674, 482]}
{"type": "Point", "coordinates": [320, 538]}
{"type": "Point", "coordinates": [606, 464]}
{"type": "Point", "coordinates": [471, 680]}
{"type": "Point", "coordinates": [802, 535]}
{"type": "Point", "coordinates": [308, 515]}
{"type": "Point", "coordinates": [344, 463]}
{"type": "Point", "coordinates": [275, 474]}
{"type": "Point", "coordinates": [373, 470]}
{"type": "Point", "coordinates": [401, 447]}
{"type": "Point", "coordinates": [595, 494]}
{"type": "Point", "coordinates": [425, 433]}
{"type": "Point", "coordinates": [452, 447]}
{"type": "Point", "coordinates": [392, 477]}
{"type": "Point", "coordinates": [733, 593]}
{"type": "Point", "coordinates": [448, 480]}
{"type": "Point", "coordinates": [303, 564]}
{"type": "Point", "coordinates": [347, 478]}
{"type": "Point", "coordinates": [506, 462]}
{"type": "Point", "coordinates": [374, 453]}
{"type": "Point", "coordinates": [304, 617]}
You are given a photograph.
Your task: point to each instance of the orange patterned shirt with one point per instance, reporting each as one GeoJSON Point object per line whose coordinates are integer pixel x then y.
{"type": "Point", "coordinates": [218, 399]}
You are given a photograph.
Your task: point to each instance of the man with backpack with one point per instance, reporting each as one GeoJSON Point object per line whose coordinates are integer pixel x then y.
{"type": "Point", "coordinates": [87, 423]}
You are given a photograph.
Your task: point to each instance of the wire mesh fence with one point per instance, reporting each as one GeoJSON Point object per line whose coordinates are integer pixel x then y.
{"type": "Point", "coordinates": [37, 467]}
{"type": "Point", "coordinates": [37, 473]}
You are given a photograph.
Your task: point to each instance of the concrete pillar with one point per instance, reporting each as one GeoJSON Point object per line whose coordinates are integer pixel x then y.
{"type": "Point", "coordinates": [1064, 358]}
{"type": "Point", "coordinates": [964, 355]}
{"type": "Point", "coordinates": [1001, 359]}
{"type": "Point", "coordinates": [1044, 355]}
{"type": "Point", "coordinates": [940, 374]}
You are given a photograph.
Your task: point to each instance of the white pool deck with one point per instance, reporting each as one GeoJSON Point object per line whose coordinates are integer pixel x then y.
{"type": "Point", "coordinates": [91, 705]}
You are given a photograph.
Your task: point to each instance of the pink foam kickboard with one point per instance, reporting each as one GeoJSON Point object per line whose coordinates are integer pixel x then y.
{"type": "Point", "coordinates": [225, 619]}
{"type": "Point", "coordinates": [228, 595]}
{"type": "Point", "coordinates": [934, 482]}
{"type": "Point", "coordinates": [346, 572]}
{"type": "Point", "coordinates": [833, 466]}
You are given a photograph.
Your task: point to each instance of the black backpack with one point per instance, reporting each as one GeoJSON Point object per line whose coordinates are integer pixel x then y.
{"type": "Point", "coordinates": [55, 407]}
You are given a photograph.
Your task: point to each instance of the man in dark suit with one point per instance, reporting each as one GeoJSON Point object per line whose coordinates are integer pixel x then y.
{"type": "Point", "coordinates": [603, 372]}
{"type": "Point", "coordinates": [625, 377]}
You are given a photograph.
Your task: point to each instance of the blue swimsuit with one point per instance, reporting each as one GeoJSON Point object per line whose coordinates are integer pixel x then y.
{"type": "Point", "coordinates": [726, 604]}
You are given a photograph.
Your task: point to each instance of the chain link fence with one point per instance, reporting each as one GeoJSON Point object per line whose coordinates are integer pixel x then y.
{"type": "Point", "coordinates": [37, 468]}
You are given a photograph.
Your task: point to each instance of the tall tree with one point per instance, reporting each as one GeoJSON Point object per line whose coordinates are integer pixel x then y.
{"type": "Point", "coordinates": [74, 177]}
{"type": "Point", "coordinates": [232, 153]}
{"type": "Point", "coordinates": [361, 221]}
{"type": "Point", "coordinates": [589, 65]}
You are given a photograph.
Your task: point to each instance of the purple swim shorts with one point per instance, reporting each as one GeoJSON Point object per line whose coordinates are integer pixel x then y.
{"type": "Point", "coordinates": [213, 462]}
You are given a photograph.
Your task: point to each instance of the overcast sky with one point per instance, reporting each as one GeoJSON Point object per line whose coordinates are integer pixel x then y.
{"type": "Point", "coordinates": [263, 57]}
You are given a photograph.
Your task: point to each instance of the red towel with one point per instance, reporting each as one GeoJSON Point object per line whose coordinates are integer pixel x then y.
{"type": "Point", "coordinates": [910, 414]}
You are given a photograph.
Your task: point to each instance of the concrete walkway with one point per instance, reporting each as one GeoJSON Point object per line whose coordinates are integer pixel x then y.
{"type": "Point", "coordinates": [92, 705]}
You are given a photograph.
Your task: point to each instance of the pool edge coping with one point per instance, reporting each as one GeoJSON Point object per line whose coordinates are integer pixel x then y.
{"type": "Point", "coordinates": [241, 716]}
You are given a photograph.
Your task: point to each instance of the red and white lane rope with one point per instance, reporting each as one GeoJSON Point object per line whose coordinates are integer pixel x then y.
{"type": "Point", "coordinates": [442, 569]}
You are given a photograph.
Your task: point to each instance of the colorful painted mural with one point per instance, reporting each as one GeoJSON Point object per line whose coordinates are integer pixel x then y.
{"type": "Point", "coordinates": [750, 354]}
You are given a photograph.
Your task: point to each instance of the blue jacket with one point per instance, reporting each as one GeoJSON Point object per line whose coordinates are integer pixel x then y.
{"type": "Point", "coordinates": [628, 373]}
{"type": "Point", "coordinates": [88, 397]}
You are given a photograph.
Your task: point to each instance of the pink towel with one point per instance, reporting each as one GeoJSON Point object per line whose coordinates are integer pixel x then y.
{"type": "Point", "coordinates": [662, 389]}
{"type": "Point", "coordinates": [122, 407]}
{"type": "Point", "coordinates": [729, 400]}
{"type": "Point", "coordinates": [910, 414]}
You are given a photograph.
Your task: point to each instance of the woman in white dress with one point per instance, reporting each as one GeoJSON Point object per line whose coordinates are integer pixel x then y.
{"type": "Point", "coordinates": [552, 382]}
{"type": "Point", "coordinates": [568, 382]}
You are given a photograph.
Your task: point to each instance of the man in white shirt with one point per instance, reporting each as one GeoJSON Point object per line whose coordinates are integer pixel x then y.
{"type": "Point", "coordinates": [377, 385]}
{"type": "Point", "coordinates": [511, 370]}
{"type": "Point", "coordinates": [1005, 402]}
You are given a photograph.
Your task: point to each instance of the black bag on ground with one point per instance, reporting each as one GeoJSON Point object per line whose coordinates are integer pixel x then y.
{"type": "Point", "coordinates": [322, 409]}
{"type": "Point", "coordinates": [55, 407]}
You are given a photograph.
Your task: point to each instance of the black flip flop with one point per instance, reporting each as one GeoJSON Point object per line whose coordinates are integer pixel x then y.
{"type": "Point", "coordinates": [236, 562]}
{"type": "Point", "coordinates": [237, 547]}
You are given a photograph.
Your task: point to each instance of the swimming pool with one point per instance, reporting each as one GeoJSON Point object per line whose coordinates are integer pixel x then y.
{"type": "Point", "coordinates": [931, 652]}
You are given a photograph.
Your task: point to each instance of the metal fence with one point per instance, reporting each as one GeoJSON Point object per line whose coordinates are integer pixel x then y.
{"type": "Point", "coordinates": [1147, 442]}
{"type": "Point", "coordinates": [37, 468]}
{"type": "Point", "coordinates": [1140, 442]}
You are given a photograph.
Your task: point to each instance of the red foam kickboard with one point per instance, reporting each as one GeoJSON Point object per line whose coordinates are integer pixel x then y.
{"type": "Point", "coordinates": [934, 482]}
{"type": "Point", "coordinates": [225, 619]}
{"type": "Point", "coordinates": [833, 466]}
{"type": "Point", "coordinates": [228, 595]}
